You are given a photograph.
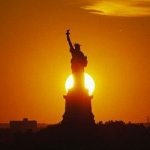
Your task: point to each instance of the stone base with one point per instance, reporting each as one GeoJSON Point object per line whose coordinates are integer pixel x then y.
{"type": "Point", "coordinates": [78, 111]}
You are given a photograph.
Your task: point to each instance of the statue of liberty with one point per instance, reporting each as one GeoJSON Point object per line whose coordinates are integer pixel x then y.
{"type": "Point", "coordinates": [78, 62]}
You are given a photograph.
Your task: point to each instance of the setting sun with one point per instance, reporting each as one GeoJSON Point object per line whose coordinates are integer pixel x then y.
{"type": "Point", "coordinates": [88, 81]}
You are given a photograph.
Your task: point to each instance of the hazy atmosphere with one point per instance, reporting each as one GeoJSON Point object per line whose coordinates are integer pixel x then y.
{"type": "Point", "coordinates": [35, 59]}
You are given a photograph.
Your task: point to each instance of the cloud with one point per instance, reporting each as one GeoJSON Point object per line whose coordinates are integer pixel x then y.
{"type": "Point", "coordinates": [128, 8]}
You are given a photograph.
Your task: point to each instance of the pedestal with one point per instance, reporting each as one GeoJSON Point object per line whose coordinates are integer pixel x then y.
{"type": "Point", "coordinates": [78, 110]}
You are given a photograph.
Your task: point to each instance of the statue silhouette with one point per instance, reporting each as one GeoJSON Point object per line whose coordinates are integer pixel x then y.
{"type": "Point", "coordinates": [78, 62]}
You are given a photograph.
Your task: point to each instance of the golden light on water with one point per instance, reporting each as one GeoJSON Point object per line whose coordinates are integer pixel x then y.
{"type": "Point", "coordinates": [88, 81]}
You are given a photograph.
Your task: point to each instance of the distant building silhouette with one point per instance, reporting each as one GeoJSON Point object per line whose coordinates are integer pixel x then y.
{"type": "Point", "coordinates": [4, 125]}
{"type": "Point", "coordinates": [23, 126]}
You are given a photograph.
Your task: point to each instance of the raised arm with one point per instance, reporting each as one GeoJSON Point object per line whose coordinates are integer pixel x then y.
{"type": "Point", "coordinates": [68, 39]}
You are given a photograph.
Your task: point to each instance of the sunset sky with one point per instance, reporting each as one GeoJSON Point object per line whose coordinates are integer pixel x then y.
{"type": "Point", "coordinates": [35, 58]}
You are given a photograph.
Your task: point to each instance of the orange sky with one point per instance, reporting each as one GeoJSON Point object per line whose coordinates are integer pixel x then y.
{"type": "Point", "coordinates": [35, 62]}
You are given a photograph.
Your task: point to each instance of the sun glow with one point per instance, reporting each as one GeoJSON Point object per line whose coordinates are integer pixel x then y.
{"type": "Point", "coordinates": [88, 81]}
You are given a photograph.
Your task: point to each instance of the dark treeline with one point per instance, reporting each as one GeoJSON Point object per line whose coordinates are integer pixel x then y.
{"type": "Point", "coordinates": [109, 136]}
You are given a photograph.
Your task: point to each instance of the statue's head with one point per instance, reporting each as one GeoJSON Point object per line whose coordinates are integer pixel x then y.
{"type": "Point", "coordinates": [77, 46]}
